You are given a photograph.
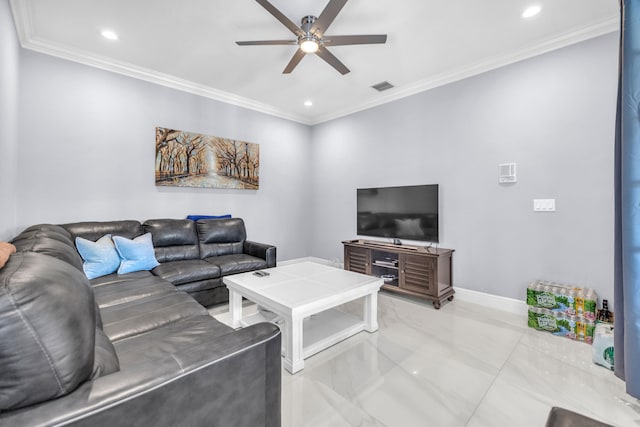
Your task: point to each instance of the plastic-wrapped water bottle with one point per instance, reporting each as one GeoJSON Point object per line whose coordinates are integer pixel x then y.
{"type": "Point", "coordinates": [579, 302]}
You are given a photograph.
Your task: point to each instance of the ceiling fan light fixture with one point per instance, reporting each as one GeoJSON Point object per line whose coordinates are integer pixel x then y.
{"type": "Point", "coordinates": [309, 44]}
{"type": "Point", "coordinates": [311, 37]}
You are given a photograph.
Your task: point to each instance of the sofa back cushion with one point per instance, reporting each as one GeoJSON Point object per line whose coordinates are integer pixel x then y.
{"type": "Point", "coordinates": [47, 333]}
{"type": "Point", "coordinates": [173, 239]}
{"type": "Point", "coordinates": [49, 230]}
{"type": "Point", "coordinates": [93, 230]}
{"type": "Point", "coordinates": [221, 236]}
{"type": "Point", "coordinates": [51, 240]}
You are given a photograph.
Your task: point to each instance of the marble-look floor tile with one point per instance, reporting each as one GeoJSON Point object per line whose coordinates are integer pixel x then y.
{"type": "Point", "coordinates": [531, 382]}
{"type": "Point", "coordinates": [463, 365]}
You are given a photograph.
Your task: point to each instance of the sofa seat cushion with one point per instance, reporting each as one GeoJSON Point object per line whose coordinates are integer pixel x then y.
{"type": "Point", "coordinates": [200, 285]}
{"type": "Point", "coordinates": [211, 297]}
{"type": "Point", "coordinates": [119, 278]}
{"type": "Point", "coordinates": [127, 291]}
{"type": "Point", "coordinates": [169, 339]}
{"type": "Point", "coordinates": [237, 263]}
{"type": "Point", "coordinates": [145, 314]}
{"type": "Point", "coordinates": [185, 271]}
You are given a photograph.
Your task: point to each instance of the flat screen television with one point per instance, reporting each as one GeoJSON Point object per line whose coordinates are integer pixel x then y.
{"type": "Point", "coordinates": [409, 212]}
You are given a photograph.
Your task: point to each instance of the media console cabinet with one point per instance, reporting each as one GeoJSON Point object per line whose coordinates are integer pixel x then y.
{"type": "Point", "coordinates": [411, 270]}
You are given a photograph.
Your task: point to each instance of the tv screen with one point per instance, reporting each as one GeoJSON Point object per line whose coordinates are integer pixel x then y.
{"type": "Point", "coordinates": [409, 212]}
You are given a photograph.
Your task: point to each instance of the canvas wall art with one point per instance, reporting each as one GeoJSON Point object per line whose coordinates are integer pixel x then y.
{"type": "Point", "coordinates": [186, 159]}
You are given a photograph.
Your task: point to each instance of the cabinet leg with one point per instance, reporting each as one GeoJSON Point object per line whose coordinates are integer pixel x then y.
{"type": "Point", "coordinates": [450, 298]}
{"type": "Point", "coordinates": [436, 305]}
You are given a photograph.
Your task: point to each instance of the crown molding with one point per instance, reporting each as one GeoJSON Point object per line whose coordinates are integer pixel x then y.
{"type": "Point", "coordinates": [566, 39]}
{"type": "Point", "coordinates": [141, 73]}
{"type": "Point", "coordinates": [22, 18]}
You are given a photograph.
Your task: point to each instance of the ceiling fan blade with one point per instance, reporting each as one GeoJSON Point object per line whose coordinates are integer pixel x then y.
{"type": "Point", "coordinates": [280, 17]}
{"type": "Point", "coordinates": [327, 16]}
{"type": "Point", "coordinates": [332, 60]}
{"type": "Point", "coordinates": [267, 42]}
{"type": "Point", "coordinates": [297, 57]}
{"type": "Point", "coordinates": [362, 39]}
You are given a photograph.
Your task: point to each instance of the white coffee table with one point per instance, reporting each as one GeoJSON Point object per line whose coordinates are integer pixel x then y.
{"type": "Point", "coordinates": [296, 291]}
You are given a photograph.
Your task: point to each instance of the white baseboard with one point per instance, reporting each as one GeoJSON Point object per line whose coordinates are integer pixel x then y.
{"type": "Point", "coordinates": [493, 301]}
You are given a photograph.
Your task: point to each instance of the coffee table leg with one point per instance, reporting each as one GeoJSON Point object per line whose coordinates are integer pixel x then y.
{"type": "Point", "coordinates": [235, 308]}
{"type": "Point", "coordinates": [371, 312]}
{"type": "Point", "coordinates": [293, 361]}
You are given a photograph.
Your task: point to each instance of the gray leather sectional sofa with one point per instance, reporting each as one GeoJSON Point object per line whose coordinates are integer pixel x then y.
{"type": "Point", "coordinates": [133, 349]}
{"type": "Point", "coordinates": [194, 255]}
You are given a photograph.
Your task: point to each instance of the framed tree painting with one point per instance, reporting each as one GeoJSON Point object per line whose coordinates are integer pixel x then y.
{"type": "Point", "coordinates": [186, 159]}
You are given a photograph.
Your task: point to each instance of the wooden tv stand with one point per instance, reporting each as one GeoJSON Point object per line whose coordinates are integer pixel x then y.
{"type": "Point", "coordinates": [418, 271]}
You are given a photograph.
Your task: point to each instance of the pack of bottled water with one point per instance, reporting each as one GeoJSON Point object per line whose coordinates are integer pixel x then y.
{"type": "Point", "coordinates": [564, 310]}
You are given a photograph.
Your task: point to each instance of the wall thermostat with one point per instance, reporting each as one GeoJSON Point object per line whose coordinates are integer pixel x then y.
{"type": "Point", "coordinates": [507, 173]}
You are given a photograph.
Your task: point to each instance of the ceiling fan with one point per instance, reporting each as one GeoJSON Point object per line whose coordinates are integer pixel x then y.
{"type": "Point", "coordinates": [311, 36]}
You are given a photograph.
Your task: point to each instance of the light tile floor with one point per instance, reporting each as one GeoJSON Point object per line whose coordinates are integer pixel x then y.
{"type": "Point", "coordinates": [462, 365]}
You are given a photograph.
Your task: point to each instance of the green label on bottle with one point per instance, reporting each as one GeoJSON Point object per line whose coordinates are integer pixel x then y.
{"type": "Point", "coordinates": [546, 300]}
{"type": "Point", "coordinates": [547, 323]}
{"type": "Point", "coordinates": [607, 355]}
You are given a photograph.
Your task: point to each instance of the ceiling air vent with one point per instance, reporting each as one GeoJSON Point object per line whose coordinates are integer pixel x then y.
{"type": "Point", "coordinates": [382, 86]}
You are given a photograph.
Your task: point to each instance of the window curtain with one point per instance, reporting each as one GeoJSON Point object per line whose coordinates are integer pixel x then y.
{"type": "Point", "coordinates": [627, 202]}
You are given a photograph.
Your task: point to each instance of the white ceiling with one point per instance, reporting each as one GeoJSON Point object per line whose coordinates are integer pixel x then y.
{"type": "Point", "coordinates": [190, 45]}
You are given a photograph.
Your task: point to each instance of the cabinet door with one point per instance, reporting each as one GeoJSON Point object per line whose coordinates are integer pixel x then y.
{"type": "Point", "coordinates": [417, 273]}
{"type": "Point", "coordinates": [357, 259]}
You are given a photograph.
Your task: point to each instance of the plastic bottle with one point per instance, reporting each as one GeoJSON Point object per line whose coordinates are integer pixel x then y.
{"type": "Point", "coordinates": [590, 304]}
{"type": "Point", "coordinates": [581, 328]}
{"type": "Point", "coordinates": [546, 298]}
{"type": "Point", "coordinates": [562, 299]}
{"type": "Point", "coordinates": [572, 326]}
{"type": "Point", "coordinates": [531, 294]}
{"type": "Point", "coordinates": [579, 302]}
{"type": "Point", "coordinates": [562, 324]}
{"type": "Point", "coordinates": [590, 327]}
{"type": "Point", "coordinates": [571, 299]}
{"type": "Point", "coordinates": [605, 315]}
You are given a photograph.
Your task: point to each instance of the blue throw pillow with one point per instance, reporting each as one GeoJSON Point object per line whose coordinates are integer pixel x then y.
{"type": "Point", "coordinates": [100, 257]}
{"type": "Point", "coordinates": [136, 254]}
{"type": "Point", "coordinates": [197, 217]}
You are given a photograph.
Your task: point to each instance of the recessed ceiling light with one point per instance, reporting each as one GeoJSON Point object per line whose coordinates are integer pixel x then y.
{"type": "Point", "coordinates": [108, 34]}
{"type": "Point", "coordinates": [531, 11]}
{"type": "Point", "coordinates": [308, 103]}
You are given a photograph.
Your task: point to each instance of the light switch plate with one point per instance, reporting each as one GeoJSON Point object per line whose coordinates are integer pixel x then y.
{"type": "Point", "coordinates": [544, 205]}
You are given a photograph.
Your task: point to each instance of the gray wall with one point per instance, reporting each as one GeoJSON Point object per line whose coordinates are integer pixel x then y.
{"type": "Point", "coordinates": [9, 66]}
{"type": "Point", "coordinates": [87, 152]}
{"type": "Point", "coordinates": [554, 115]}
{"type": "Point", "coordinates": [85, 147]}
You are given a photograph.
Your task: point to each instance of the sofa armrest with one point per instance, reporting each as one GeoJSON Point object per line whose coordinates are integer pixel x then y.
{"type": "Point", "coordinates": [261, 250]}
{"type": "Point", "coordinates": [234, 380]}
